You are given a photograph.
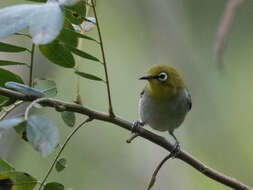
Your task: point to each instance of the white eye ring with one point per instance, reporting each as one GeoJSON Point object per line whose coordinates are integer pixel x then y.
{"type": "Point", "coordinates": [163, 76]}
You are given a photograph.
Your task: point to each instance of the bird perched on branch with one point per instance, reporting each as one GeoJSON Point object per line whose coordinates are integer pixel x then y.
{"type": "Point", "coordinates": [164, 102]}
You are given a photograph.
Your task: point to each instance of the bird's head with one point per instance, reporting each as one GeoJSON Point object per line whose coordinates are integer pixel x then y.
{"type": "Point", "coordinates": [164, 82]}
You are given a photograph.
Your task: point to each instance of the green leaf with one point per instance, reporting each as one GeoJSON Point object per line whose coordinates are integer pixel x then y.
{"type": "Point", "coordinates": [5, 62]}
{"type": "Point", "coordinates": [69, 118]}
{"type": "Point", "coordinates": [38, 1]}
{"type": "Point", "coordinates": [17, 181]}
{"type": "Point", "coordinates": [6, 76]}
{"type": "Point", "coordinates": [82, 53]}
{"type": "Point", "coordinates": [48, 87]}
{"type": "Point", "coordinates": [58, 54]}
{"type": "Point", "coordinates": [21, 130]}
{"type": "Point", "coordinates": [54, 186]}
{"type": "Point", "coordinates": [4, 101]}
{"type": "Point", "coordinates": [78, 35]}
{"type": "Point", "coordinates": [9, 123]}
{"type": "Point", "coordinates": [5, 166]}
{"type": "Point", "coordinates": [66, 36]}
{"type": "Point", "coordinates": [43, 135]}
{"type": "Point", "coordinates": [17, 123]}
{"type": "Point", "coordinates": [24, 89]}
{"type": "Point", "coordinates": [10, 48]}
{"type": "Point", "coordinates": [61, 164]}
{"type": "Point", "coordinates": [88, 76]}
{"type": "Point", "coordinates": [76, 14]}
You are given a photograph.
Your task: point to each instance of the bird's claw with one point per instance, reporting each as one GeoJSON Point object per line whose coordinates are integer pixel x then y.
{"type": "Point", "coordinates": [136, 125]}
{"type": "Point", "coordinates": [176, 150]}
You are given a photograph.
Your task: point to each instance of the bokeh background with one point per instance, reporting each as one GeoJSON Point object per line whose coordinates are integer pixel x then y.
{"type": "Point", "coordinates": [137, 35]}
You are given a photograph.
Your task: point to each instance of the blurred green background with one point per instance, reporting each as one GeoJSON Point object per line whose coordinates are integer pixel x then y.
{"type": "Point", "coordinates": [137, 35]}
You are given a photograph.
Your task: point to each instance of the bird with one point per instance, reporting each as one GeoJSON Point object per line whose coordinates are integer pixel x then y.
{"type": "Point", "coordinates": [164, 102]}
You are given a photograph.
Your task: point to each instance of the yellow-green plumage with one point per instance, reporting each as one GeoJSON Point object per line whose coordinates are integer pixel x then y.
{"type": "Point", "coordinates": [167, 89]}
{"type": "Point", "coordinates": [165, 100]}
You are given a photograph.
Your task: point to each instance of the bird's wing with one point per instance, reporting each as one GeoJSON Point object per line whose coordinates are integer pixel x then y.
{"type": "Point", "coordinates": [189, 101]}
{"type": "Point", "coordinates": [142, 92]}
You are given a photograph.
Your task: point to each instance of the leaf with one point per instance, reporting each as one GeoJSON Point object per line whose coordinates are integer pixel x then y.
{"type": "Point", "coordinates": [21, 130]}
{"type": "Point", "coordinates": [4, 101]}
{"type": "Point", "coordinates": [10, 48]}
{"type": "Point", "coordinates": [48, 87]}
{"type": "Point", "coordinates": [81, 53]}
{"type": "Point", "coordinates": [69, 118]}
{"type": "Point", "coordinates": [58, 54]}
{"type": "Point", "coordinates": [6, 62]}
{"type": "Point", "coordinates": [61, 164]}
{"type": "Point", "coordinates": [88, 76]}
{"type": "Point", "coordinates": [78, 35]}
{"type": "Point", "coordinates": [76, 14]}
{"type": "Point", "coordinates": [7, 124]}
{"type": "Point", "coordinates": [17, 181]}
{"type": "Point", "coordinates": [54, 186]}
{"type": "Point", "coordinates": [6, 76]}
{"type": "Point", "coordinates": [38, 1]}
{"type": "Point", "coordinates": [5, 167]}
{"type": "Point", "coordinates": [24, 89]}
{"type": "Point", "coordinates": [43, 135]}
{"type": "Point", "coordinates": [45, 22]}
{"type": "Point", "coordinates": [66, 36]}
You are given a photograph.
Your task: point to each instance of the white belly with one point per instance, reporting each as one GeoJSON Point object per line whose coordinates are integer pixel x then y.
{"type": "Point", "coordinates": [165, 115]}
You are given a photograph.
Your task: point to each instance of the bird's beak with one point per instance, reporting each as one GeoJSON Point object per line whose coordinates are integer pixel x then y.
{"type": "Point", "coordinates": [146, 77]}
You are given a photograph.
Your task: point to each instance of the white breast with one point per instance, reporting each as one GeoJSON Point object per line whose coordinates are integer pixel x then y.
{"type": "Point", "coordinates": [164, 115]}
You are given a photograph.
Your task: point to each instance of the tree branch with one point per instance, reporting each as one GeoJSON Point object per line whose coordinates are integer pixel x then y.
{"type": "Point", "coordinates": [156, 139]}
{"type": "Point", "coordinates": [224, 27]}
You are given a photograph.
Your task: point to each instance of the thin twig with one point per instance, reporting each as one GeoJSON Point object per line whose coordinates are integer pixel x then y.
{"type": "Point", "coordinates": [8, 110]}
{"type": "Point", "coordinates": [132, 138]}
{"type": "Point", "coordinates": [156, 139]}
{"type": "Point", "coordinates": [104, 60]}
{"type": "Point", "coordinates": [153, 179]}
{"type": "Point", "coordinates": [31, 66]}
{"type": "Point", "coordinates": [23, 34]}
{"type": "Point", "coordinates": [32, 104]}
{"type": "Point", "coordinates": [80, 46]}
{"type": "Point", "coordinates": [224, 28]}
{"type": "Point", "coordinates": [61, 150]}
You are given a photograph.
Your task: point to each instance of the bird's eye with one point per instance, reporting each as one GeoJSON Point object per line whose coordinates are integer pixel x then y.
{"type": "Point", "coordinates": [163, 76]}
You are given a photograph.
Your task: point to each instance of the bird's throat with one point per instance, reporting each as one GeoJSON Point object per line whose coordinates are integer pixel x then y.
{"type": "Point", "coordinates": [160, 92]}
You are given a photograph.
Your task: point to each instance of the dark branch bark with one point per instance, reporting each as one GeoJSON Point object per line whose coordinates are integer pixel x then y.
{"type": "Point", "coordinates": [161, 141]}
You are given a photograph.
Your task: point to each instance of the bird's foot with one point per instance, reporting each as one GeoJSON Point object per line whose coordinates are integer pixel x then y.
{"type": "Point", "coordinates": [137, 124]}
{"type": "Point", "coordinates": [176, 150]}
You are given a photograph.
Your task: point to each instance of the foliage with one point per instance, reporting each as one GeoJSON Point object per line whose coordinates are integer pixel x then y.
{"type": "Point", "coordinates": [58, 42]}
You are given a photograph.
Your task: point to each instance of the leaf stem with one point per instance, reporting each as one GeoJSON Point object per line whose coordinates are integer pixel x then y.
{"type": "Point", "coordinates": [31, 65]}
{"type": "Point", "coordinates": [61, 150]}
{"type": "Point", "coordinates": [7, 111]}
{"type": "Point", "coordinates": [80, 44]}
{"type": "Point", "coordinates": [153, 179]}
{"type": "Point", "coordinates": [104, 60]}
{"type": "Point", "coordinates": [31, 105]}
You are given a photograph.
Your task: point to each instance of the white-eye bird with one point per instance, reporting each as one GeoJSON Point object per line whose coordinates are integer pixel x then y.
{"type": "Point", "coordinates": [164, 102]}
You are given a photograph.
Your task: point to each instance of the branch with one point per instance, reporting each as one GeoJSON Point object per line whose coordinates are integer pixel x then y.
{"type": "Point", "coordinates": [104, 60]}
{"type": "Point", "coordinates": [156, 139]}
{"type": "Point", "coordinates": [61, 150]}
{"type": "Point", "coordinates": [224, 27]}
{"type": "Point", "coordinates": [31, 66]}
